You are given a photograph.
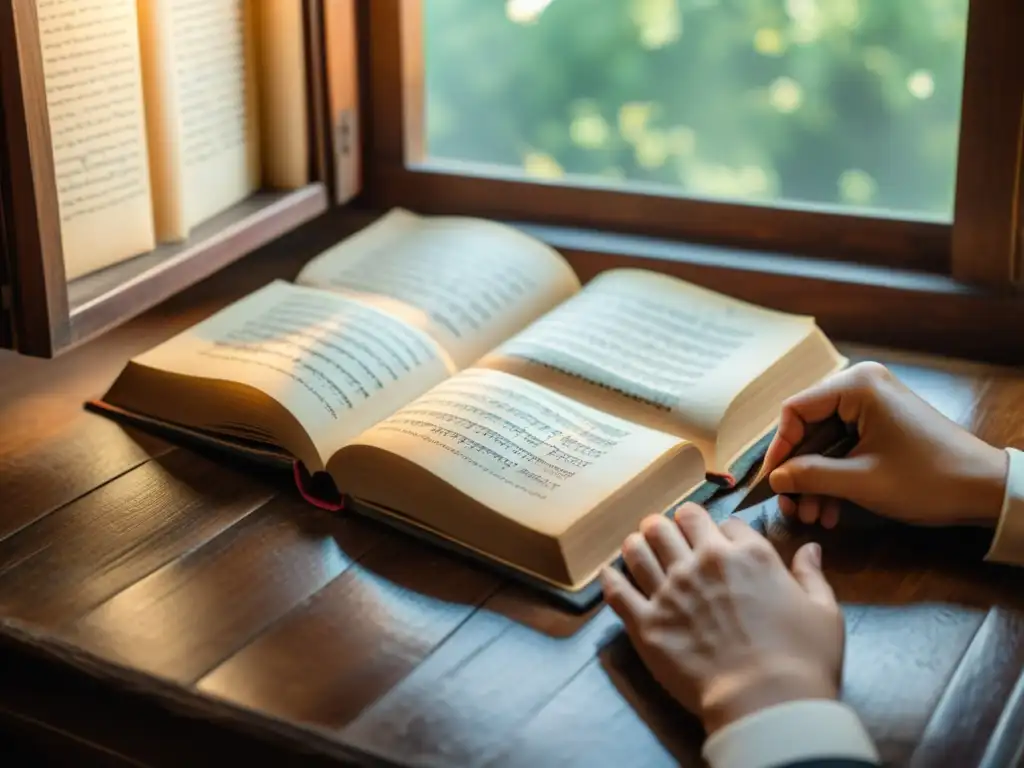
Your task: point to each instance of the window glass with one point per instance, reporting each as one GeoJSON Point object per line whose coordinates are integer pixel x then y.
{"type": "Point", "coordinates": [848, 104]}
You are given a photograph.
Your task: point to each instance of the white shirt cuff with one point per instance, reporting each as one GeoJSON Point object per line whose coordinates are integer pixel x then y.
{"type": "Point", "coordinates": [1008, 543]}
{"type": "Point", "coordinates": [789, 733]}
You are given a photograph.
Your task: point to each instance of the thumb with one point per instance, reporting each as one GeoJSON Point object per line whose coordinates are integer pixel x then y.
{"type": "Point", "coordinates": [807, 571]}
{"type": "Point", "coordinates": [819, 475]}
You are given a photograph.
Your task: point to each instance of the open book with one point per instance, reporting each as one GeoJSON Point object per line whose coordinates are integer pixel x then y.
{"type": "Point", "coordinates": [164, 113]}
{"type": "Point", "coordinates": [451, 373]}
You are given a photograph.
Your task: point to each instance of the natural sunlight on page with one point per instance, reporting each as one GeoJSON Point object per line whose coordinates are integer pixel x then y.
{"type": "Point", "coordinates": [92, 75]}
{"type": "Point", "coordinates": [216, 89]}
{"type": "Point", "coordinates": [202, 107]}
{"type": "Point", "coordinates": [469, 283]}
{"type": "Point", "coordinates": [284, 112]}
{"type": "Point", "coordinates": [337, 365]}
{"type": "Point", "coordinates": [671, 346]}
{"type": "Point", "coordinates": [530, 454]}
{"type": "Point", "coordinates": [217, 97]}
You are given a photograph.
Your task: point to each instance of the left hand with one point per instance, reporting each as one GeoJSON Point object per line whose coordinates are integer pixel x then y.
{"type": "Point", "coordinates": [721, 622]}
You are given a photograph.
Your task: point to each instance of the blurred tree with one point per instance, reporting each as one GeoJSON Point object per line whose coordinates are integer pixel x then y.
{"type": "Point", "coordinates": [834, 102]}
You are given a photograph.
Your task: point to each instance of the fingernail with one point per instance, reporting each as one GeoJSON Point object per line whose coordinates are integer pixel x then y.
{"type": "Point", "coordinates": [816, 554]}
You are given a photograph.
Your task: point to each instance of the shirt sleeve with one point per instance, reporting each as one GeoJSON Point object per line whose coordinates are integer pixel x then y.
{"type": "Point", "coordinates": [1008, 544]}
{"type": "Point", "coordinates": [792, 733]}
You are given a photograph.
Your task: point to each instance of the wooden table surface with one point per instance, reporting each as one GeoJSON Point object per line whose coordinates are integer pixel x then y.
{"type": "Point", "coordinates": [161, 607]}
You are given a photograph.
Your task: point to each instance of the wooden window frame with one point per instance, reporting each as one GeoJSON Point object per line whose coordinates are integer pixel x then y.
{"type": "Point", "coordinates": [963, 275]}
{"type": "Point", "coordinates": [42, 313]}
{"type": "Point", "coordinates": [987, 214]}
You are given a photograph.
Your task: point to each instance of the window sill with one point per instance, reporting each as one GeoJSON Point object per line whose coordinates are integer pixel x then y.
{"type": "Point", "coordinates": [863, 304]}
{"type": "Point", "coordinates": [858, 304]}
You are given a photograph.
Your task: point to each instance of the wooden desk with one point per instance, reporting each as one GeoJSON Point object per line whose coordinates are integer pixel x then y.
{"type": "Point", "coordinates": [175, 610]}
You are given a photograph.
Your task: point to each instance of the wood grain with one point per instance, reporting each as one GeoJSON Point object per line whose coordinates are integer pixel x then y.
{"type": "Point", "coordinates": [985, 236]}
{"type": "Point", "coordinates": [611, 713]}
{"type": "Point", "coordinates": [56, 692]}
{"type": "Point", "coordinates": [898, 660]}
{"type": "Point", "coordinates": [37, 256]}
{"type": "Point", "coordinates": [917, 246]}
{"type": "Point", "coordinates": [355, 639]}
{"type": "Point", "coordinates": [193, 613]}
{"type": "Point", "coordinates": [55, 465]}
{"type": "Point", "coordinates": [977, 693]}
{"type": "Point", "coordinates": [84, 553]}
{"type": "Point", "coordinates": [1006, 742]}
{"type": "Point", "coordinates": [486, 679]}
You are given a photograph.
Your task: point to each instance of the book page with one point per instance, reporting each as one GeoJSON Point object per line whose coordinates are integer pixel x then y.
{"type": "Point", "coordinates": [216, 79]}
{"type": "Point", "coordinates": [284, 128]}
{"type": "Point", "coordinates": [93, 83]}
{"type": "Point", "coordinates": [338, 366]}
{"type": "Point", "coordinates": [470, 283]}
{"type": "Point", "coordinates": [202, 101]}
{"type": "Point", "coordinates": [659, 344]}
{"type": "Point", "coordinates": [530, 454]}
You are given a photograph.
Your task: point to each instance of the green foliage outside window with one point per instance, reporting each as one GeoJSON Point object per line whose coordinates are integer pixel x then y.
{"type": "Point", "coordinates": [811, 102]}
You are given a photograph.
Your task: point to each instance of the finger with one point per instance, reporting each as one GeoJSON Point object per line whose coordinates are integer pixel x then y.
{"type": "Point", "coordinates": [628, 604]}
{"type": "Point", "coordinates": [697, 525]}
{"type": "Point", "coordinates": [787, 506]}
{"type": "Point", "coordinates": [817, 474]}
{"type": "Point", "coordinates": [809, 509]}
{"type": "Point", "coordinates": [642, 564]}
{"type": "Point", "coordinates": [666, 540]}
{"type": "Point", "coordinates": [830, 512]}
{"type": "Point", "coordinates": [812, 405]}
{"type": "Point", "coordinates": [843, 393]}
{"type": "Point", "coordinates": [736, 529]}
{"type": "Point", "coordinates": [807, 571]}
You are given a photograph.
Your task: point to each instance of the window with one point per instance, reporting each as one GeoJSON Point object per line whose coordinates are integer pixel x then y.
{"type": "Point", "coordinates": [866, 131]}
{"type": "Point", "coordinates": [847, 104]}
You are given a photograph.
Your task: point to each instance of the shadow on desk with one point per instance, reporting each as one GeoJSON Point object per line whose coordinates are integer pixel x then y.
{"type": "Point", "coordinates": [868, 560]}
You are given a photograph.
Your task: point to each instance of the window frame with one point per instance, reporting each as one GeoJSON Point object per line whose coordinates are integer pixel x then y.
{"type": "Point", "coordinates": [990, 169]}
{"type": "Point", "coordinates": [980, 247]}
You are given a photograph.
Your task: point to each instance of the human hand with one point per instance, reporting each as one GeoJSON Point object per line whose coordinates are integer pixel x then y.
{"type": "Point", "coordinates": [911, 463]}
{"type": "Point", "coordinates": [719, 620]}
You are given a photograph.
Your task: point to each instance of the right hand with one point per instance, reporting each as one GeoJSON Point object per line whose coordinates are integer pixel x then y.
{"type": "Point", "coordinates": [720, 621]}
{"type": "Point", "coordinates": [911, 463]}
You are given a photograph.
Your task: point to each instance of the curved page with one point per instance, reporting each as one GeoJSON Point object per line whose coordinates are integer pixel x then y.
{"type": "Point", "coordinates": [470, 283]}
{"type": "Point", "coordinates": [92, 78]}
{"type": "Point", "coordinates": [528, 453]}
{"type": "Point", "coordinates": [335, 364]}
{"type": "Point", "coordinates": [654, 348]}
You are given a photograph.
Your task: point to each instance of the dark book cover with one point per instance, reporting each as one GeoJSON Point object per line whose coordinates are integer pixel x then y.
{"type": "Point", "coordinates": [319, 490]}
